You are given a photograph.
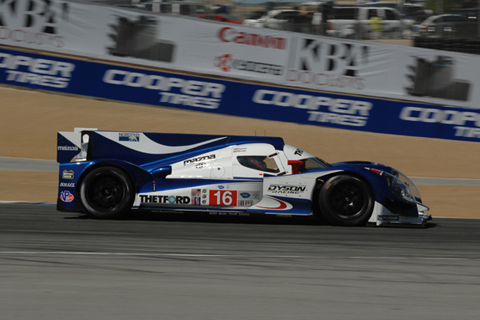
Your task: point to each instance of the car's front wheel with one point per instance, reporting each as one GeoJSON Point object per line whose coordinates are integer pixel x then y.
{"type": "Point", "coordinates": [107, 192]}
{"type": "Point", "coordinates": [346, 201]}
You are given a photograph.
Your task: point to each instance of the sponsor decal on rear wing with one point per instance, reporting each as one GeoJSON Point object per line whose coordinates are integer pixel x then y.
{"type": "Point", "coordinates": [72, 145]}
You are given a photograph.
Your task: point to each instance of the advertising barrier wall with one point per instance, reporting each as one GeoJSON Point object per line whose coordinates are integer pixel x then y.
{"type": "Point", "coordinates": [255, 54]}
{"type": "Point", "coordinates": [139, 37]}
{"type": "Point", "coordinates": [140, 85]}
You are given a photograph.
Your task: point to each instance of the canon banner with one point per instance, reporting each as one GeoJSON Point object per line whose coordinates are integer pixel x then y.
{"type": "Point", "coordinates": [139, 37]}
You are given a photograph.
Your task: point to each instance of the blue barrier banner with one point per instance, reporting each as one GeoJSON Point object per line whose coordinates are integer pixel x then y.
{"type": "Point", "coordinates": [166, 89]}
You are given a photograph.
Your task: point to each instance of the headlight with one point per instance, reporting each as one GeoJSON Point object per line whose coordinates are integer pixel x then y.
{"type": "Point", "coordinates": [409, 183]}
{"type": "Point", "coordinates": [400, 189]}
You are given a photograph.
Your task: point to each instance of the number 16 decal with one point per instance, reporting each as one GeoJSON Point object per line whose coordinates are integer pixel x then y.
{"type": "Point", "coordinates": [224, 198]}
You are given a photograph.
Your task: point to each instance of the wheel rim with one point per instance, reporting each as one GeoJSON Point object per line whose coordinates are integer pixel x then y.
{"type": "Point", "coordinates": [348, 200]}
{"type": "Point", "coordinates": [106, 193]}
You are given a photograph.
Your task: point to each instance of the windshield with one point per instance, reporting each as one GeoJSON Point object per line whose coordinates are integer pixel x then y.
{"type": "Point", "coordinates": [313, 164]}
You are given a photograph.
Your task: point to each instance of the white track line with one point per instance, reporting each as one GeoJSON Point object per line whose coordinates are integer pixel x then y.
{"type": "Point", "coordinates": [194, 255]}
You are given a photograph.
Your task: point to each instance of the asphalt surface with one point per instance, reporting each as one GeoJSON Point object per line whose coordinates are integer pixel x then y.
{"type": "Point", "coordinates": [57, 265]}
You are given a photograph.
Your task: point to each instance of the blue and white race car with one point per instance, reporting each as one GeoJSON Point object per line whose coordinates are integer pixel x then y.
{"type": "Point", "coordinates": [108, 173]}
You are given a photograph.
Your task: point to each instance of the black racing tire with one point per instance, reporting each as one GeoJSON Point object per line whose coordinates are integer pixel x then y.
{"type": "Point", "coordinates": [107, 193]}
{"type": "Point", "coordinates": [346, 201]}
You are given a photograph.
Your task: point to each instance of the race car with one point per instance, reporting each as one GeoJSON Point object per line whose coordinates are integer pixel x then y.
{"type": "Point", "coordinates": [108, 174]}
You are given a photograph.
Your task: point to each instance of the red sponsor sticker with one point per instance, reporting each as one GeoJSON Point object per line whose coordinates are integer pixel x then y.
{"type": "Point", "coordinates": [224, 198]}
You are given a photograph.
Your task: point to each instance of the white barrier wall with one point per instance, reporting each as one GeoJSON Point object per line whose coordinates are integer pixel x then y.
{"type": "Point", "coordinates": [233, 51]}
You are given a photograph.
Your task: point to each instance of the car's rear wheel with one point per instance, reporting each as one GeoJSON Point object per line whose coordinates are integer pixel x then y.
{"type": "Point", "coordinates": [107, 192]}
{"type": "Point", "coordinates": [346, 201]}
